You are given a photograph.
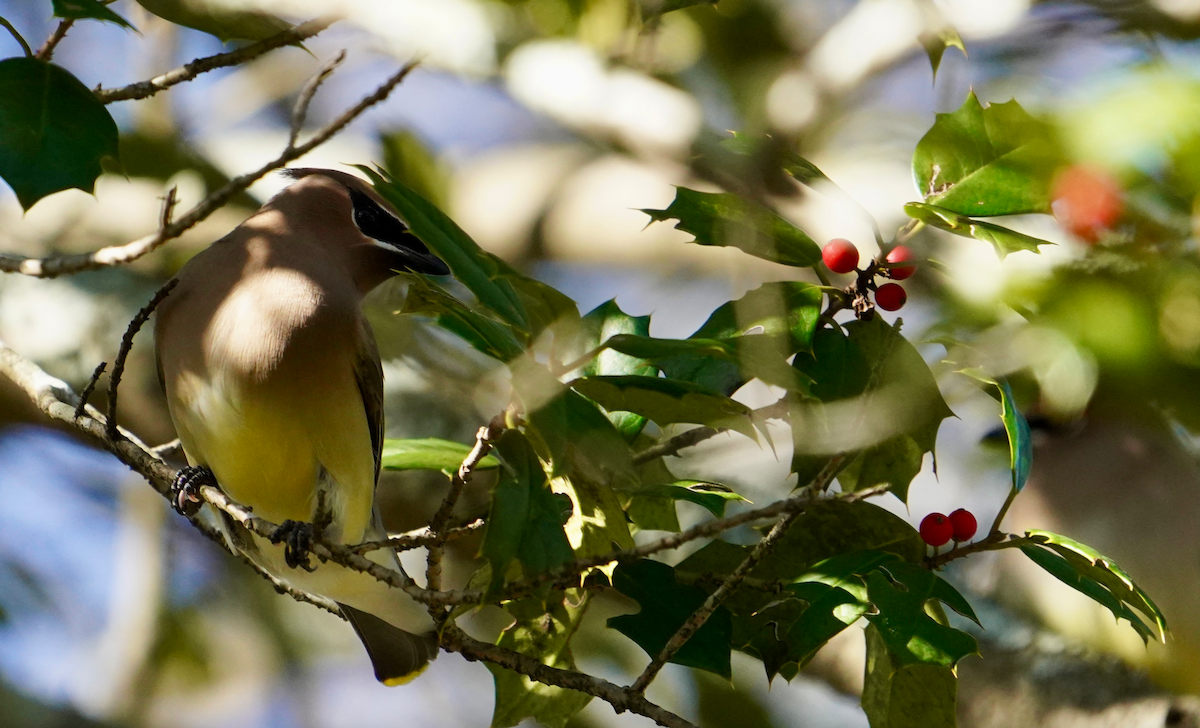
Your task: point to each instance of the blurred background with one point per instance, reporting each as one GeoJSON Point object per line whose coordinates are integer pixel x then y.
{"type": "Point", "coordinates": [543, 127]}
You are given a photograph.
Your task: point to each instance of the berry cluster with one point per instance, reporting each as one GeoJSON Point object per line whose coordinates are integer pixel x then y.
{"type": "Point", "coordinates": [937, 529]}
{"type": "Point", "coordinates": [840, 256]}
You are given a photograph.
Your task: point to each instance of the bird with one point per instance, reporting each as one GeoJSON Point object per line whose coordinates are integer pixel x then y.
{"type": "Point", "coordinates": [275, 386]}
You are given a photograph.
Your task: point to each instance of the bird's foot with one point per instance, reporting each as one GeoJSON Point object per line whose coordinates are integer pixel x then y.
{"type": "Point", "coordinates": [185, 491]}
{"type": "Point", "coordinates": [297, 538]}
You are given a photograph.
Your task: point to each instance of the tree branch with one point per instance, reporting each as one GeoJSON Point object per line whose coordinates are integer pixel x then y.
{"type": "Point", "coordinates": [53, 266]}
{"type": "Point", "coordinates": [47, 50]}
{"type": "Point", "coordinates": [146, 89]}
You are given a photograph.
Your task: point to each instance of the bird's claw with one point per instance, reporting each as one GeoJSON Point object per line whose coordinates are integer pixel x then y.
{"type": "Point", "coordinates": [297, 538]}
{"type": "Point", "coordinates": [185, 491]}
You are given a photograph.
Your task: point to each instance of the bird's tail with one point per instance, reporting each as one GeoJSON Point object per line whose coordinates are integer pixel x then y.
{"type": "Point", "coordinates": [396, 655]}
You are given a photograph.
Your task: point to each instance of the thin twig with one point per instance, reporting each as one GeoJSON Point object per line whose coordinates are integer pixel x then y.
{"type": "Point", "coordinates": [714, 600]}
{"type": "Point", "coordinates": [89, 388]}
{"type": "Point", "coordinates": [697, 435]}
{"type": "Point", "coordinates": [47, 50]}
{"type": "Point", "coordinates": [159, 451]}
{"type": "Point", "coordinates": [420, 538]}
{"type": "Point", "coordinates": [621, 699]}
{"type": "Point", "coordinates": [994, 542]}
{"type": "Point", "coordinates": [300, 110]}
{"type": "Point", "coordinates": [20, 39]}
{"type": "Point", "coordinates": [114, 379]}
{"type": "Point", "coordinates": [145, 89]}
{"type": "Point", "coordinates": [483, 445]}
{"type": "Point", "coordinates": [119, 254]}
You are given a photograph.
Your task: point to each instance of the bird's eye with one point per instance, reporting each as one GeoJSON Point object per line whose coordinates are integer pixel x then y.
{"type": "Point", "coordinates": [375, 222]}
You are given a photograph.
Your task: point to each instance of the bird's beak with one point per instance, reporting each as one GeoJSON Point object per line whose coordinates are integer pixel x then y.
{"type": "Point", "coordinates": [418, 261]}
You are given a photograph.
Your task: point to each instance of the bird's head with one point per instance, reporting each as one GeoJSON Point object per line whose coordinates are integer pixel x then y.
{"type": "Point", "coordinates": [351, 218]}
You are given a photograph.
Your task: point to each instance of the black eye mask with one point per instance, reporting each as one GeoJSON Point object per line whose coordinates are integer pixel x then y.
{"type": "Point", "coordinates": [378, 224]}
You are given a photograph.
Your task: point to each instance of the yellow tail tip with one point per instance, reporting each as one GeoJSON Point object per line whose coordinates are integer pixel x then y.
{"type": "Point", "coordinates": [392, 682]}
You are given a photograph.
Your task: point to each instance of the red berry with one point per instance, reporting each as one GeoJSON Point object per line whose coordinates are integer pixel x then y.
{"type": "Point", "coordinates": [964, 524]}
{"type": "Point", "coordinates": [890, 297]}
{"type": "Point", "coordinates": [840, 255]}
{"type": "Point", "coordinates": [1087, 201]}
{"type": "Point", "coordinates": [936, 529]}
{"type": "Point", "coordinates": [900, 254]}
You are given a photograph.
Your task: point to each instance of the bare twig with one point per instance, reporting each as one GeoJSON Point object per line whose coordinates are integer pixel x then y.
{"type": "Point", "coordinates": [145, 89]}
{"type": "Point", "coordinates": [47, 50]}
{"type": "Point", "coordinates": [300, 110]}
{"type": "Point", "coordinates": [994, 542]}
{"type": "Point", "coordinates": [621, 699]}
{"type": "Point", "coordinates": [19, 38]}
{"type": "Point", "coordinates": [167, 447]}
{"type": "Point", "coordinates": [89, 388]}
{"type": "Point", "coordinates": [714, 600]}
{"type": "Point", "coordinates": [118, 254]}
{"type": "Point", "coordinates": [114, 379]}
{"type": "Point", "coordinates": [420, 538]}
{"type": "Point", "coordinates": [483, 445]}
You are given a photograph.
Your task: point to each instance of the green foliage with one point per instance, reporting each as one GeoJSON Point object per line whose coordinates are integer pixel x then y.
{"type": "Point", "coordinates": [724, 219]}
{"type": "Point", "coordinates": [902, 593]}
{"type": "Point", "coordinates": [85, 9]}
{"type": "Point", "coordinates": [1005, 241]}
{"type": "Point", "coordinates": [712, 496]}
{"type": "Point", "coordinates": [53, 131]}
{"type": "Point", "coordinates": [546, 636]}
{"type": "Point", "coordinates": [665, 606]}
{"type": "Point", "coordinates": [429, 453]}
{"type": "Point", "coordinates": [986, 161]}
{"type": "Point", "coordinates": [1020, 439]}
{"type": "Point", "coordinates": [526, 518]}
{"type": "Point", "coordinates": [914, 695]}
{"type": "Point", "coordinates": [937, 42]}
{"type": "Point", "coordinates": [483, 333]}
{"type": "Point", "coordinates": [666, 401]}
{"type": "Point", "coordinates": [871, 385]}
{"type": "Point", "coordinates": [1095, 575]}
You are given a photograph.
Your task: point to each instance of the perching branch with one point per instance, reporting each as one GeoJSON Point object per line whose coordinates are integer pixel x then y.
{"type": "Point", "coordinates": [47, 50]}
{"type": "Point", "coordinates": [146, 89]}
{"type": "Point", "coordinates": [53, 266]}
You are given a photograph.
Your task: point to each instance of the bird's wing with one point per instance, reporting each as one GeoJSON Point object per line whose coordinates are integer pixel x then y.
{"type": "Point", "coordinates": [368, 371]}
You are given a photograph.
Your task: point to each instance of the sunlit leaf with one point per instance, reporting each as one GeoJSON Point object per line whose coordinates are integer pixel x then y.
{"type": "Point", "coordinates": [1095, 575]}
{"type": "Point", "coordinates": [1005, 241]}
{"type": "Point", "coordinates": [712, 496]}
{"type": "Point", "coordinates": [526, 518]}
{"type": "Point", "coordinates": [989, 161]}
{"type": "Point", "coordinates": [1020, 439]}
{"type": "Point", "coordinates": [429, 453]}
{"type": "Point", "coordinates": [467, 261]}
{"type": "Point", "coordinates": [912, 695]}
{"type": "Point", "coordinates": [665, 606]}
{"type": "Point", "coordinates": [725, 219]}
{"type": "Point", "coordinates": [53, 130]}
{"type": "Point", "coordinates": [666, 401]}
{"type": "Point", "coordinates": [900, 591]}
{"type": "Point", "coordinates": [544, 637]}
{"type": "Point", "coordinates": [935, 43]}
{"type": "Point", "coordinates": [84, 9]}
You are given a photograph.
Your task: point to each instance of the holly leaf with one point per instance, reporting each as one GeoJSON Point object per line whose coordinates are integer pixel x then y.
{"type": "Point", "coordinates": [935, 43]}
{"type": "Point", "coordinates": [526, 518]}
{"type": "Point", "coordinates": [1090, 572]}
{"type": "Point", "coordinates": [601, 324]}
{"type": "Point", "coordinates": [989, 161]}
{"type": "Point", "coordinates": [906, 695]}
{"type": "Point", "coordinates": [545, 637]}
{"type": "Point", "coordinates": [727, 220]}
{"type": "Point", "coordinates": [666, 401]}
{"type": "Point", "coordinates": [544, 304]}
{"type": "Point", "coordinates": [875, 399]}
{"type": "Point", "coordinates": [429, 453]}
{"type": "Point", "coordinates": [53, 130]}
{"type": "Point", "coordinates": [483, 333]}
{"type": "Point", "coordinates": [477, 270]}
{"type": "Point", "coordinates": [712, 496]}
{"type": "Point", "coordinates": [88, 9]}
{"type": "Point", "coordinates": [665, 606]}
{"type": "Point", "coordinates": [1020, 439]}
{"type": "Point", "coordinates": [1005, 241]}
{"type": "Point", "coordinates": [900, 592]}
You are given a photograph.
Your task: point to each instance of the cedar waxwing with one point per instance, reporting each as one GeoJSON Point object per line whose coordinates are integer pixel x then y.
{"type": "Point", "coordinates": [275, 386]}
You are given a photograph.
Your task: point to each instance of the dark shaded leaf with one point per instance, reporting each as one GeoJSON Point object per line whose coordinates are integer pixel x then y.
{"type": "Point", "coordinates": [655, 8]}
{"type": "Point", "coordinates": [989, 161]}
{"type": "Point", "coordinates": [900, 592]}
{"type": "Point", "coordinates": [1095, 575]}
{"type": "Point", "coordinates": [665, 606]}
{"type": "Point", "coordinates": [545, 637]}
{"type": "Point", "coordinates": [1005, 241]}
{"type": "Point", "coordinates": [725, 219]}
{"type": "Point", "coordinates": [526, 518]}
{"type": "Point", "coordinates": [467, 261]}
{"type": "Point", "coordinates": [483, 333]}
{"type": "Point", "coordinates": [88, 9]}
{"type": "Point", "coordinates": [899, 695]}
{"type": "Point", "coordinates": [712, 496]}
{"type": "Point", "coordinates": [544, 304]}
{"type": "Point", "coordinates": [429, 453]}
{"type": "Point", "coordinates": [666, 401]}
{"type": "Point", "coordinates": [53, 130]}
